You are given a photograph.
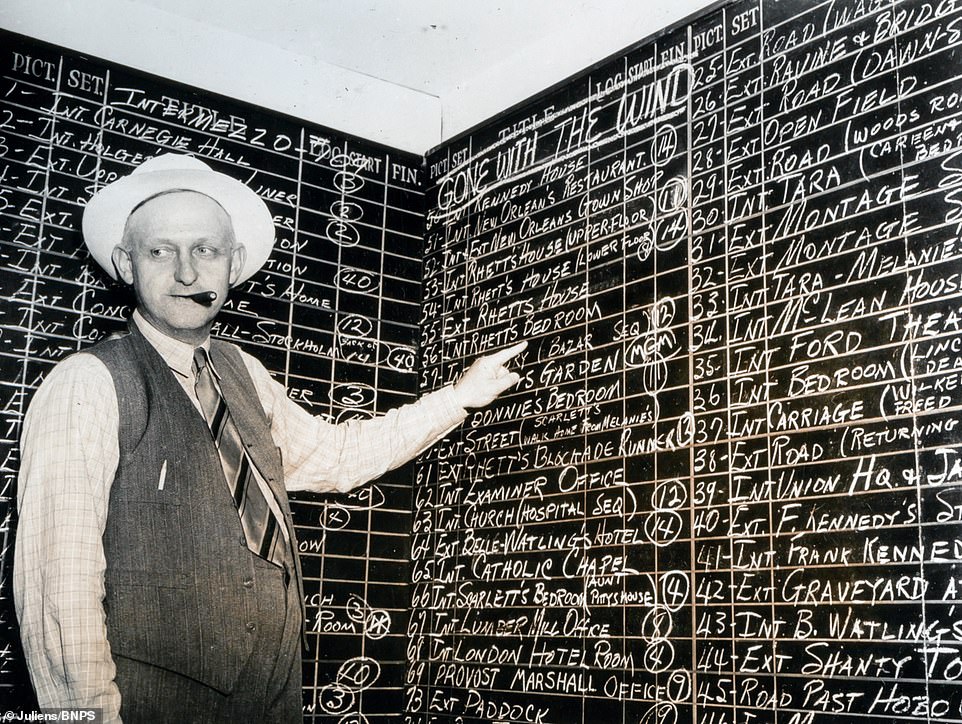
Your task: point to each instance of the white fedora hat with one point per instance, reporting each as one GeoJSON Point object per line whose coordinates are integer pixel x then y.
{"type": "Point", "coordinates": [105, 215]}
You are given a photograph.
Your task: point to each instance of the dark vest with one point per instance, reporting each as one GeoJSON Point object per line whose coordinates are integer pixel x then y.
{"type": "Point", "coordinates": [183, 591]}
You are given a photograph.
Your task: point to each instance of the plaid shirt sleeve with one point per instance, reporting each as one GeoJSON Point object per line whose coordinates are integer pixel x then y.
{"type": "Point", "coordinates": [69, 458]}
{"type": "Point", "coordinates": [320, 456]}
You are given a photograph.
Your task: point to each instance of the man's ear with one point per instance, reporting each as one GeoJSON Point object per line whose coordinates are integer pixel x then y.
{"type": "Point", "coordinates": [238, 256]}
{"type": "Point", "coordinates": [123, 264]}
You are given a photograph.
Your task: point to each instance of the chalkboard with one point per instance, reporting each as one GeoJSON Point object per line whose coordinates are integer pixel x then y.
{"type": "Point", "coordinates": [729, 486]}
{"type": "Point", "coordinates": [333, 315]}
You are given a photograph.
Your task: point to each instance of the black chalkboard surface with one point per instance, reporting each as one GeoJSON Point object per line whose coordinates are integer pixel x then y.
{"type": "Point", "coordinates": [333, 315]}
{"type": "Point", "coordinates": [728, 489]}
{"type": "Point", "coordinates": [729, 486]}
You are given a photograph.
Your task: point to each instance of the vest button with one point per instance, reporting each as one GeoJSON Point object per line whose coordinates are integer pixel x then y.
{"type": "Point", "coordinates": [251, 627]}
{"type": "Point", "coordinates": [243, 541]}
{"type": "Point", "coordinates": [248, 582]}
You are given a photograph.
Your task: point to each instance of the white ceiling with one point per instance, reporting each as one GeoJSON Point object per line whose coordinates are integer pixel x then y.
{"type": "Point", "coordinates": [409, 73]}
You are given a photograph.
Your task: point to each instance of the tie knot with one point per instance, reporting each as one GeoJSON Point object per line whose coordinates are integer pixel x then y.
{"type": "Point", "coordinates": [200, 359]}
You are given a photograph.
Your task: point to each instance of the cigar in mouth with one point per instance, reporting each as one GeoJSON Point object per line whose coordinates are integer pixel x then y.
{"type": "Point", "coordinates": [205, 298]}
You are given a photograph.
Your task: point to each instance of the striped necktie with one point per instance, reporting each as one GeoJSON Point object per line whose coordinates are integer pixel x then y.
{"type": "Point", "coordinates": [266, 535]}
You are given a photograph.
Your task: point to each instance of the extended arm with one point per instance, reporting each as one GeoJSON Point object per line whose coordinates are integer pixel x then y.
{"type": "Point", "coordinates": [69, 457]}
{"type": "Point", "coordinates": [322, 456]}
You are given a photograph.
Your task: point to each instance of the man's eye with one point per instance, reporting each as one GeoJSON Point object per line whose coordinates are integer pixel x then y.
{"type": "Point", "coordinates": [205, 251]}
{"type": "Point", "coordinates": [160, 253]}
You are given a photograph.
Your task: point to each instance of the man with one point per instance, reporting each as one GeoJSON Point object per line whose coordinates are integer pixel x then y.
{"type": "Point", "coordinates": [156, 574]}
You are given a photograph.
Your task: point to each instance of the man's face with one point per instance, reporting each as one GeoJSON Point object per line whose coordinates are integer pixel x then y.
{"type": "Point", "coordinates": [176, 245]}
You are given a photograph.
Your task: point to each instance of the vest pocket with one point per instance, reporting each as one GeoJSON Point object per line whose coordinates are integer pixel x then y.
{"type": "Point", "coordinates": [157, 619]}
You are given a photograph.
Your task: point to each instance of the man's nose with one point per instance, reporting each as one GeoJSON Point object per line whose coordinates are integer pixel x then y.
{"type": "Point", "coordinates": [185, 273]}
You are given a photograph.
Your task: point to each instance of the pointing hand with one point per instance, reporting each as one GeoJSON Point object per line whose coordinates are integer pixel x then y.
{"type": "Point", "coordinates": [487, 378]}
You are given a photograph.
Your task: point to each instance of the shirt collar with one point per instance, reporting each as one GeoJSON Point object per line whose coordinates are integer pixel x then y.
{"type": "Point", "coordinates": [178, 355]}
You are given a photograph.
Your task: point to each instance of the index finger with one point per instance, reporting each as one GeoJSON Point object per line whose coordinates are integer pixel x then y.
{"type": "Point", "coordinates": [505, 355]}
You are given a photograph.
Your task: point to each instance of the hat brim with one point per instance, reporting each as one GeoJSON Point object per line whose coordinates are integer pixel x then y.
{"type": "Point", "coordinates": [106, 213]}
